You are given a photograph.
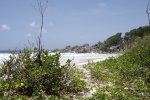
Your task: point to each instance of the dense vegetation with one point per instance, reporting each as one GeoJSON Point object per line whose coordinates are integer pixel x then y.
{"type": "Point", "coordinates": [23, 77]}
{"type": "Point", "coordinates": [128, 75]}
{"type": "Point", "coordinates": [139, 32]}
{"type": "Point", "coordinates": [117, 43]}
{"type": "Point", "coordinates": [115, 40]}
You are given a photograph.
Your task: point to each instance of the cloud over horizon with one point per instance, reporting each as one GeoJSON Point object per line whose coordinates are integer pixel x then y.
{"type": "Point", "coordinates": [5, 27]}
{"type": "Point", "coordinates": [32, 24]}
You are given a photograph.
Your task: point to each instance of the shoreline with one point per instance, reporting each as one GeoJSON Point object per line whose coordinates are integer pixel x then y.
{"type": "Point", "coordinates": [76, 58]}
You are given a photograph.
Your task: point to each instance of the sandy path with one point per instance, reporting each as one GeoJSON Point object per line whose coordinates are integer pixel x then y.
{"type": "Point", "coordinates": [92, 84]}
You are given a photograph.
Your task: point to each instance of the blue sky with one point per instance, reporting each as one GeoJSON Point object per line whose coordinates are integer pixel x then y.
{"type": "Point", "coordinates": [68, 22]}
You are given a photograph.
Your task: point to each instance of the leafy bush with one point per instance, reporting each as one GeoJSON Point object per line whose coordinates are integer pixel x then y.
{"type": "Point", "coordinates": [114, 40]}
{"type": "Point", "coordinates": [23, 75]}
{"type": "Point", "coordinates": [129, 73]}
{"type": "Point", "coordinates": [131, 36]}
{"type": "Point", "coordinates": [140, 52]}
{"type": "Point", "coordinates": [111, 93]}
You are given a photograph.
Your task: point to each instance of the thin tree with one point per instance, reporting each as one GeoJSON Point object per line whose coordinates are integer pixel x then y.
{"type": "Point", "coordinates": [148, 11]}
{"type": "Point", "coordinates": [41, 8]}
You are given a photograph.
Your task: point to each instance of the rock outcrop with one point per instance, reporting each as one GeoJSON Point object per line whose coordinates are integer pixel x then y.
{"type": "Point", "coordinates": [86, 48]}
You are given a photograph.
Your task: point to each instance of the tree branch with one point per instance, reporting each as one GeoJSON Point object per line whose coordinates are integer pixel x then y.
{"type": "Point", "coordinates": [148, 12]}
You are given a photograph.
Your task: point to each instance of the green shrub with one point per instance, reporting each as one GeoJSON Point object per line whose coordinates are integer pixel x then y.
{"type": "Point", "coordinates": [114, 40]}
{"type": "Point", "coordinates": [23, 75]}
{"type": "Point", "coordinates": [111, 93]}
{"type": "Point", "coordinates": [129, 73]}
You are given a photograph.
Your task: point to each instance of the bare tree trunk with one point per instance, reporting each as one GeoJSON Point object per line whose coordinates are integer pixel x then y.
{"type": "Point", "coordinates": [41, 7]}
{"type": "Point", "coordinates": [148, 11]}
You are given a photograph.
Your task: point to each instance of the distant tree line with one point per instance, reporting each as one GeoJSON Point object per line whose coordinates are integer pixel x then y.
{"type": "Point", "coordinates": [120, 42]}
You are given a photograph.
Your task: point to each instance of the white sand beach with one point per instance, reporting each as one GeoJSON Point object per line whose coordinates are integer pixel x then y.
{"type": "Point", "coordinates": [77, 58]}
{"type": "Point", "coordinates": [81, 58]}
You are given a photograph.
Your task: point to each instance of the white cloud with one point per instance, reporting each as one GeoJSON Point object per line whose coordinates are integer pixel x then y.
{"type": "Point", "coordinates": [32, 24]}
{"type": "Point", "coordinates": [101, 4]}
{"type": "Point", "coordinates": [38, 27]}
{"type": "Point", "coordinates": [5, 27]}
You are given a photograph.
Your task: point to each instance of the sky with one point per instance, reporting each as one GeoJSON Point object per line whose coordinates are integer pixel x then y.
{"type": "Point", "coordinates": [68, 22]}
